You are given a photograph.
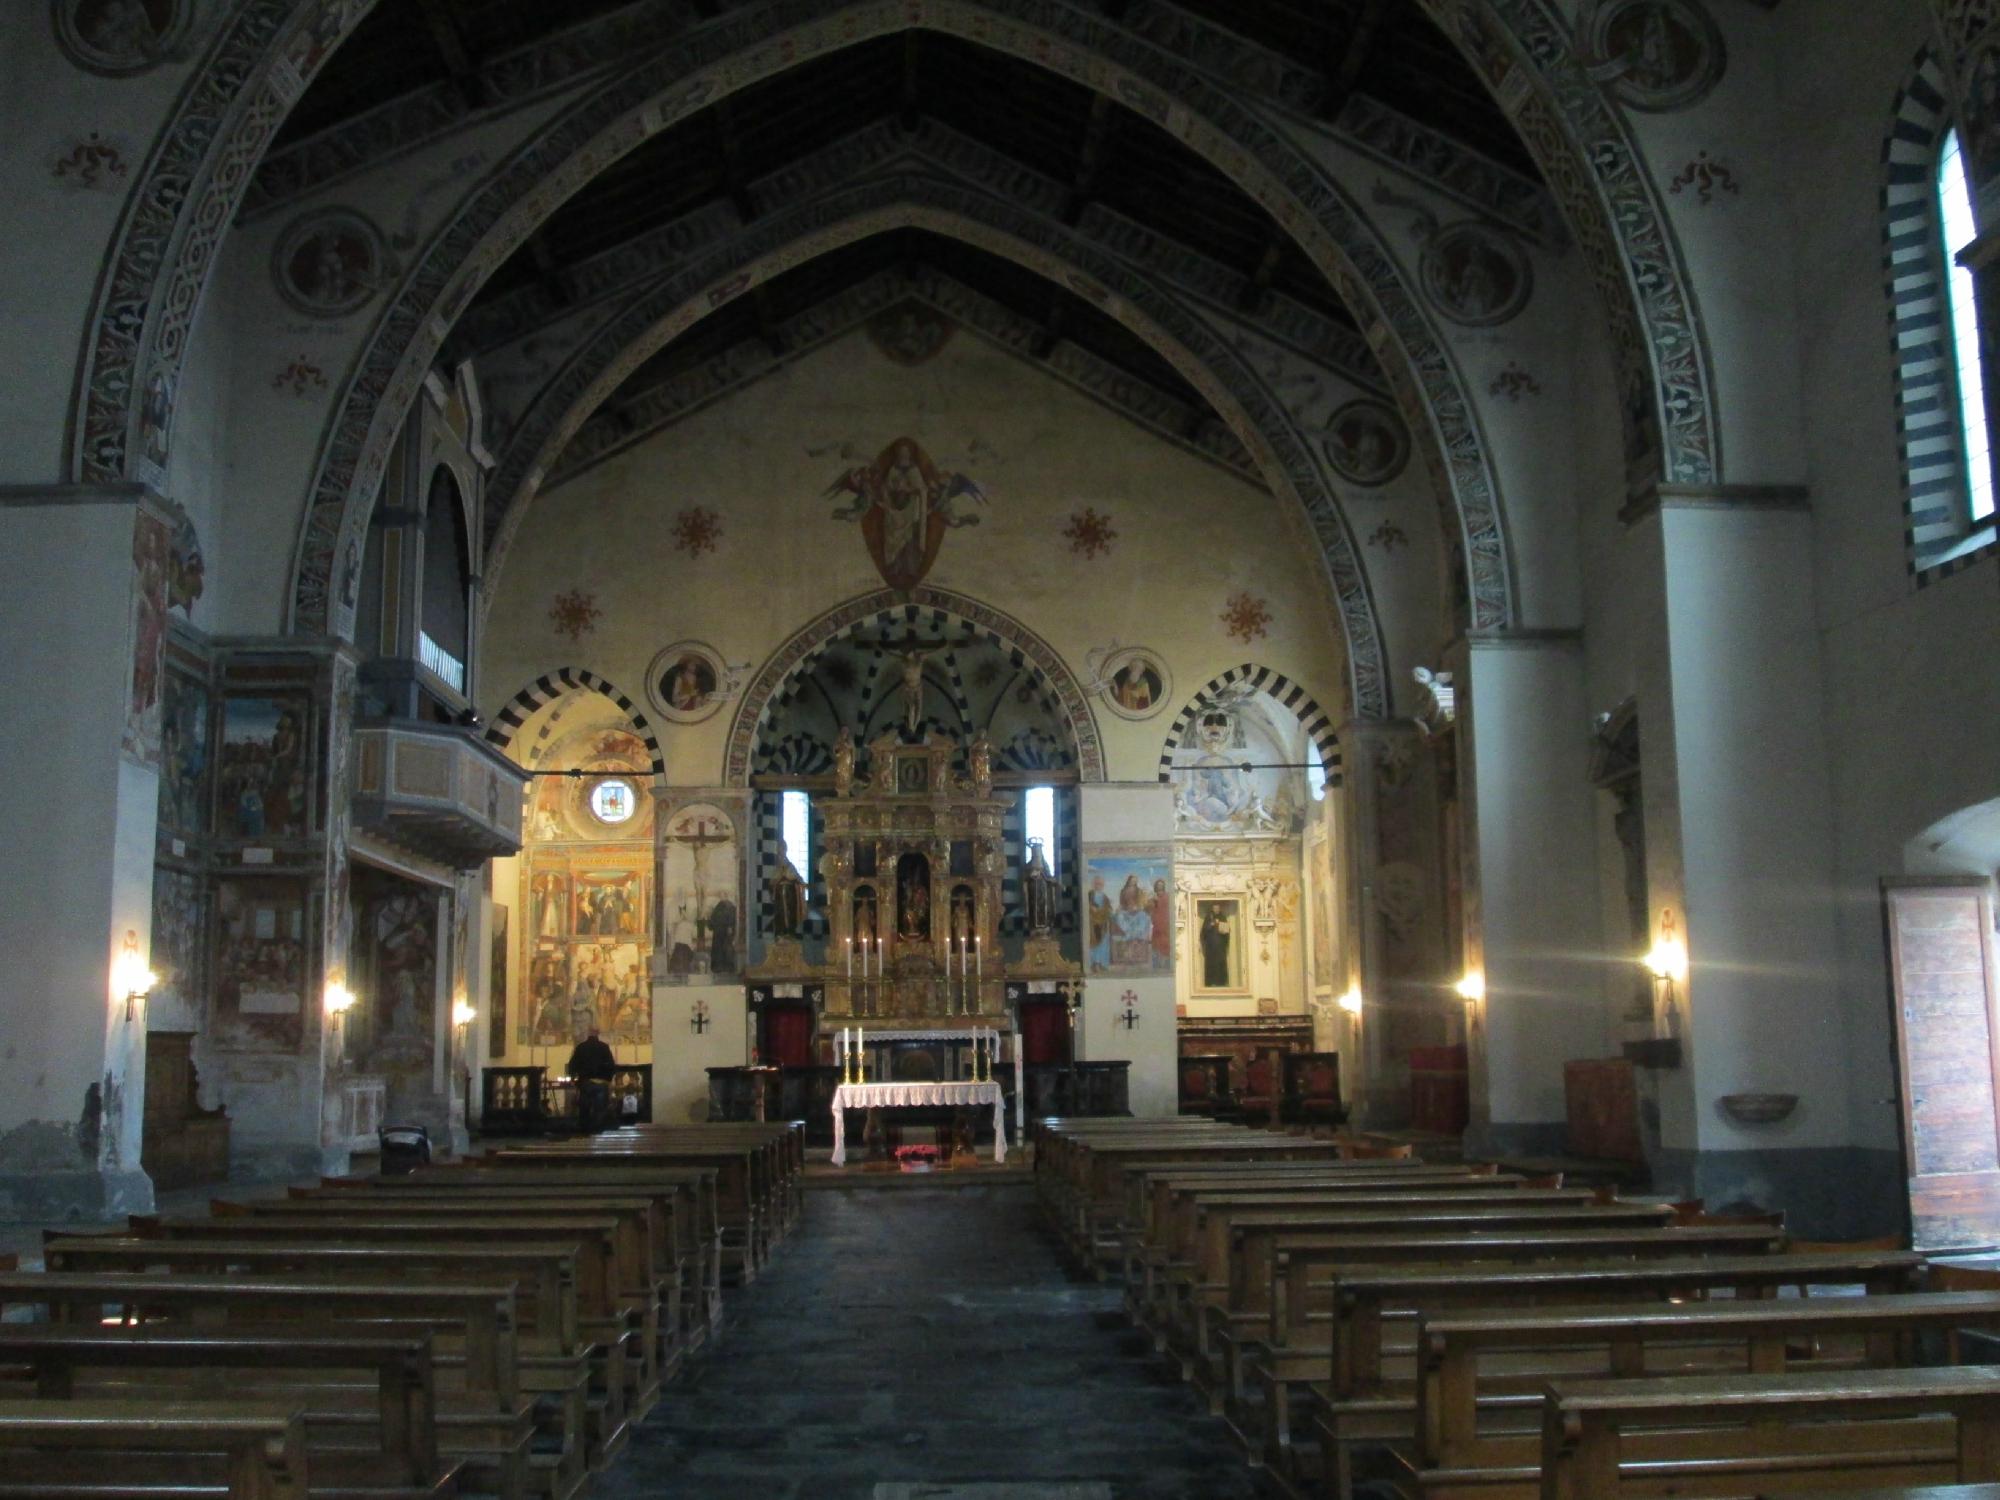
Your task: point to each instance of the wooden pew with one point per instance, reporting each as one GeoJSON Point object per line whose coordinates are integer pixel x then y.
{"type": "Point", "coordinates": [348, 1385]}
{"type": "Point", "coordinates": [649, 1265]}
{"type": "Point", "coordinates": [1715, 1435]}
{"type": "Point", "coordinates": [483, 1418]}
{"type": "Point", "coordinates": [555, 1364]}
{"type": "Point", "coordinates": [56, 1448]}
{"type": "Point", "coordinates": [688, 1196]}
{"type": "Point", "coordinates": [615, 1303]}
{"type": "Point", "coordinates": [1482, 1373]}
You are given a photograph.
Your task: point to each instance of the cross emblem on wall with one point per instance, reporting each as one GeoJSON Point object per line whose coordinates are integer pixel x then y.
{"type": "Point", "coordinates": [698, 1017]}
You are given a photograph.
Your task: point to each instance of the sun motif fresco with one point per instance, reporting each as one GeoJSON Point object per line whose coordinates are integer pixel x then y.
{"type": "Point", "coordinates": [905, 505]}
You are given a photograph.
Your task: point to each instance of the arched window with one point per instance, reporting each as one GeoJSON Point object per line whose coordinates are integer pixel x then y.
{"type": "Point", "coordinates": [1941, 395]}
{"type": "Point", "coordinates": [1959, 229]}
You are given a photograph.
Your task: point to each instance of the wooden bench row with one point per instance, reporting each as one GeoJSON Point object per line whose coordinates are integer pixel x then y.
{"type": "Point", "coordinates": [1458, 1332]}
{"type": "Point", "coordinates": [491, 1328]}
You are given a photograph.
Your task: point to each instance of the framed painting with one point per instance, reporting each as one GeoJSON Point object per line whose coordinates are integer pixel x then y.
{"type": "Point", "coordinates": [1216, 946]}
{"type": "Point", "coordinates": [263, 777]}
{"type": "Point", "coordinates": [262, 958]}
{"type": "Point", "coordinates": [1129, 908]}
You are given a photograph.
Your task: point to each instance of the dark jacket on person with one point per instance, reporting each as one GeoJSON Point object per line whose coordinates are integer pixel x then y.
{"type": "Point", "coordinates": [592, 1059]}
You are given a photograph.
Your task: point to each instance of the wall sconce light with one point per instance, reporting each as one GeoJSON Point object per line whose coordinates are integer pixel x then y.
{"type": "Point", "coordinates": [1472, 986]}
{"type": "Point", "coordinates": [129, 975]}
{"type": "Point", "coordinates": [1129, 1016]}
{"type": "Point", "coordinates": [1667, 961]}
{"type": "Point", "coordinates": [462, 1014]}
{"type": "Point", "coordinates": [339, 999]}
{"type": "Point", "coordinates": [1351, 1001]}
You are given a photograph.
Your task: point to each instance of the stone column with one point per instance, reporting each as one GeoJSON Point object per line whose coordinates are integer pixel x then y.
{"type": "Point", "coordinates": [1740, 851]}
{"type": "Point", "coordinates": [1395, 908]}
{"type": "Point", "coordinates": [81, 568]}
{"type": "Point", "coordinates": [1531, 885]}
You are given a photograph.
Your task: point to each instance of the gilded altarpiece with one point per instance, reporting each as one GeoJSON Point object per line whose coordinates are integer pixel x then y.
{"type": "Point", "coordinates": [913, 866]}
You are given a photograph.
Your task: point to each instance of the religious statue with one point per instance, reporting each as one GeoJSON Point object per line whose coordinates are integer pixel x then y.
{"type": "Point", "coordinates": [914, 904]}
{"type": "Point", "coordinates": [788, 901]}
{"type": "Point", "coordinates": [882, 762]}
{"type": "Point", "coordinates": [843, 762]}
{"type": "Point", "coordinates": [1038, 885]}
{"type": "Point", "coordinates": [980, 756]}
{"type": "Point", "coordinates": [913, 690]}
{"type": "Point", "coordinates": [961, 918]}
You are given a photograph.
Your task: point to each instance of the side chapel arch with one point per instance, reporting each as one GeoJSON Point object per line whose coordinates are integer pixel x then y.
{"type": "Point", "coordinates": [887, 606]}
{"type": "Point", "coordinates": [548, 688]}
{"type": "Point", "coordinates": [669, 306]}
{"type": "Point", "coordinates": [1319, 727]}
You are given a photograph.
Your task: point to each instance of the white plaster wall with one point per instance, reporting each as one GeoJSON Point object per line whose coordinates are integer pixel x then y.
{"type": "Point", "coordinates": [1131, 813]}
{"type": "Point", "coordinates": [50, 265]}
{"type": "Point", "coordinates": [1912, 694]}
{"type": "Point", "coordinates": [682, 1056]}
{"type": "Point", "coordinates": [66, 571]}
{"type": "Point", "coordinates": [1189, 537]}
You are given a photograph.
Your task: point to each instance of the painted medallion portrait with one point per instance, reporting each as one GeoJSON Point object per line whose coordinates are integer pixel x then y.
{"type": "Point", "coordinates": [1366, 442]}
{"type": "Point", "coordinates": [688, 682]}
{"type": "Point", "coordinates": [1655, 54]}
{"type": "Point", "coordinates": [120, 36]}
{"type": "Point", "coordinates": [1136, 683]}
{"type": "Point", "coordinates": [1475, 276]}
{"type": "Point", "coordinates": [329, 263]}
{"type": "Point", "coordinates": [910, 333]}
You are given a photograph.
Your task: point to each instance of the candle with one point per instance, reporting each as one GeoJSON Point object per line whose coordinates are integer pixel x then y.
{"type": "Point", "coordinates": [978, 960]}
{"type": "Point", "coordinates": [849, 942]}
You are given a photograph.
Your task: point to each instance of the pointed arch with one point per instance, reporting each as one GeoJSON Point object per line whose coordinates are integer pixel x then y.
{"type": "Point", "coordinates": [935, 607]}
{"type": "Point", "coordinates": [1319, 728]}
{"type": "Point", "coordinates": [548, 688]}
{"type": "Point", "coordinates": [668, 306]}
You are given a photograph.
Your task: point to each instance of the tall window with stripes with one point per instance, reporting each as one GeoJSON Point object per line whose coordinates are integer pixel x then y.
{"type": "Point", "coordinates": [1958, 229]}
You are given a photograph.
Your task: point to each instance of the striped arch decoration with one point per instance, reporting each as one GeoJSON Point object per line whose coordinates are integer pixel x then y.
{"type": "Point", "coordinates": [1319, 728]}
{"type": "Point", "coordinates": [545, 690]}
{"type": "Point", "coordinates": [934, 608]}
{"type": "Point", "coordinates": [1937, 537]}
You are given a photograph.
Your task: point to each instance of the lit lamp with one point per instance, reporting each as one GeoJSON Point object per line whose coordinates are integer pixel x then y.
{"type": "Point", "coordinates": [462, 1014]}
{"type": "Point", "coordinates": [129, 975]}
{"type": "Point", "coordinates": [1472, 987]}
{"type": "Point", "coordinates": [1667, 961]}
{"type": "Point", "coordinates": [1351, 1002]}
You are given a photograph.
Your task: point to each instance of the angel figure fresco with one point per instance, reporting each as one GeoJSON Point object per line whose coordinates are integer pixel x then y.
{"type": "Point", "coordinates": [905, 504]}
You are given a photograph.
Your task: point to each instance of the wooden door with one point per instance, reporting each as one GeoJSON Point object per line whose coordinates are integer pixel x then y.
{"type": "Point", "coordinates": [1946, 1006]}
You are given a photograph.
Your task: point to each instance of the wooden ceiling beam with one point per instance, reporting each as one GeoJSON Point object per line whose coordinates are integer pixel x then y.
{"type": "Point", "coordinates": [1089, 159]}
{"type": "Point", "coordinates": [911, 112]}
{"type": "Point", "coordinates": [767, 322]}
{"type": "Point", "coordinates": [547, 268]}
{"type": "Point", "coordinates": [1258, 286]}
{"type": "Point", "coordinates": [1347, 63]}
{"type": "Point", "coordinates": [1051, 329]}
{"type": "Point", "coordinates": [458, 60]}
{"type": "Point", "coordinates": [729, 150]}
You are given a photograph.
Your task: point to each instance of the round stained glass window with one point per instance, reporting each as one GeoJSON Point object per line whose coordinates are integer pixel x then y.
{"type": "Point", "coordinates": [614, 801]}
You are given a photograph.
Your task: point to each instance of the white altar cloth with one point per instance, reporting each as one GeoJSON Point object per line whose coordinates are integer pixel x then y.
{"type": "Point", "coordinates": [917, 1095]}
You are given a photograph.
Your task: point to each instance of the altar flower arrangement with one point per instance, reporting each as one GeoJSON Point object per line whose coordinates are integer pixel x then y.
{"type": "Point", "coordinates": [917, 1158]}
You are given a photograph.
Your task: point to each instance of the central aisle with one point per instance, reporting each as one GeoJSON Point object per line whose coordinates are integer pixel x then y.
{"type": "Point", "coordinates": [927, 1344]}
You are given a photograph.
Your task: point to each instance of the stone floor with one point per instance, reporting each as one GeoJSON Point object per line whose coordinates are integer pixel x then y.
{"type": "Point", "coordinates": [928, 1345]}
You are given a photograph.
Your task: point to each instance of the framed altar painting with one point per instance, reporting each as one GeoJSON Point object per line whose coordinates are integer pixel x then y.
{"type": "Point", "coordinates": [1216, 945]}
{"type": "Point", "coordinates": [1129, 908]}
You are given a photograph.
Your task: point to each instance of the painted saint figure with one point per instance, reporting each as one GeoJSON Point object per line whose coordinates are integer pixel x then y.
{"type": "Point", "coordinates": [1214, 949]}
{"type": "Point", "coordinates": [1098, 907]}
{"type": "Point", "coordinates": [788, 901]}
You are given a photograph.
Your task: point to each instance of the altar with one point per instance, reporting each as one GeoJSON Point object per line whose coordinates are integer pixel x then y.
{"type": "Point", "coordinates": [921, 1094]}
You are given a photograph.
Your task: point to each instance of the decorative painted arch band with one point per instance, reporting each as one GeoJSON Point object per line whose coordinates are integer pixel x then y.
{"type": "Point", "coordinates": [887, 606]}
{"type": "Point", "coordinates": [1319, 728]}
{"type": "Point", "coordinates": [560, 683]}
{"type": "Point", "coordinates": [740, 48]}
{"type": "Point", "coordinates": [667, 307]}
